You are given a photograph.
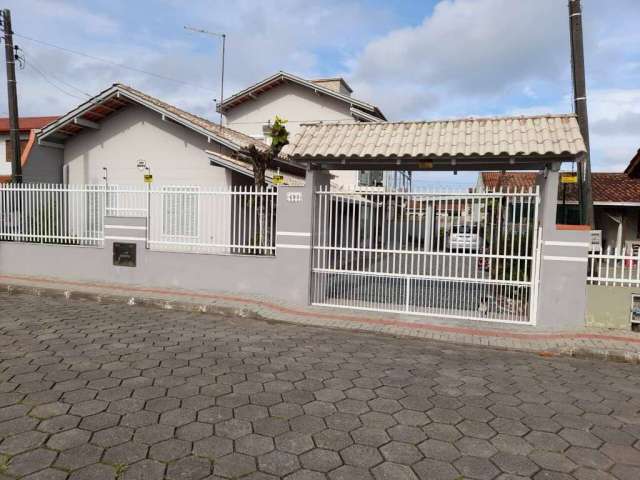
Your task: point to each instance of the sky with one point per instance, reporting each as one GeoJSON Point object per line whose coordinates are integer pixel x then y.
{"type": "Point", "coordinates": [415, 59]}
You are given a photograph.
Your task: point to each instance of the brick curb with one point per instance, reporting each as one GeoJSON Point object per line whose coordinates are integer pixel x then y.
{"type": "Point", "coordinates": [603, 346]}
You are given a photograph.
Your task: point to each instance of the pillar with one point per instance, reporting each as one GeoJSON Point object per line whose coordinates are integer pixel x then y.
{"type": "Point", "coordinates": [561, 289]}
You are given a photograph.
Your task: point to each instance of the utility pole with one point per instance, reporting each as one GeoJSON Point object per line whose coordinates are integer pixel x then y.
{"type": "Point", "coordinates": [223, 36]}
{"type": "Point", "coordinates": [12, 91]}
{"type": "Point", "coordinates": [580, 106]}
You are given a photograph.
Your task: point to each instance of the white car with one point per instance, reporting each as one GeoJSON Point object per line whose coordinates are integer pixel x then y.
{"type": "Point", "coordinates": [464, 237]}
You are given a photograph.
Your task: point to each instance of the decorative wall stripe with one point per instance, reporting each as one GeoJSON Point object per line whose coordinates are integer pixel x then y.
{"type": "Point", "coordinates": [560, 243]}
{"type": "Point", "coordinates": [134, 239]}
{"type": "Point", "coordinates": [127, 227]}
{"type": "Point", "coordinates": [565, 259]}
{"type": "Point", "coordinates": [294, 234]}
{"type": "Point", "coordinates": [285, 245]}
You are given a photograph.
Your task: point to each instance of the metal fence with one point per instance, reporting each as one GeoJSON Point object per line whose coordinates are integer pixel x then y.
{"type": "Point", "coordinates": [456, 254]}
{"type": "Point", "coordinates": [239, 220]}
{"type": "Point", "coordinates": [614, 267]}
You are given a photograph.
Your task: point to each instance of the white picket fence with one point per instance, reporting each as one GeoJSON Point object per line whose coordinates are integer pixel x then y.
{"type": "Point", "coordinates": [238, 220]}
{"type": "Point", "coordinates": [614, 267]}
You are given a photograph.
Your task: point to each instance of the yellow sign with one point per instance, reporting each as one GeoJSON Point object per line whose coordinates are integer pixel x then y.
{"type": "Point", "coordinates": [148, 178]}
{"type": "Point", "coordinates": [425, 164]}
{"type": "Point", "coordinates": [278, 179]}
{"type": "Point", "coordinates": [570, 178]}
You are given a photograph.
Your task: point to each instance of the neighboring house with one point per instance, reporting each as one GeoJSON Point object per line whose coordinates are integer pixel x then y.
{"type": "Point", "coordinates": [37, 166]}
{"type": "Point", "coordinates": [616, 201]}
{"type": "Point", "coordinates": [300, 101]}
{"type": "Point", "coordinates": [110, 133]}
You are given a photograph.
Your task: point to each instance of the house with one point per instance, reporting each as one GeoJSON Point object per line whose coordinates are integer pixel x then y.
{"type": "Point", "coordinates": [105, 139]}
{"type": "Point", "coordinates": [37, 166]}
{"type": "Point", "coordinates": [616, 201]}
{"type": "Point", "coordinates": [301, 101]}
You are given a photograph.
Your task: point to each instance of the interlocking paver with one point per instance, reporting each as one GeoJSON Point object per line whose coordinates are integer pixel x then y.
{"type": "Point", "coordinates": [174, 394]}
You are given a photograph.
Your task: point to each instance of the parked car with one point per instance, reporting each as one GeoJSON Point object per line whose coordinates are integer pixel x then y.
{"type": "Point", "coordinates": [464, 237]}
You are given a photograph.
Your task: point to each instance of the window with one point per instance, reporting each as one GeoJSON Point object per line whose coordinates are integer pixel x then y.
{"type": "Point", "coordinates": [180, 212]}
{"type": "Point", "coordinates": [372, 178]}
{"type": "Point", "coordinates": [9, 151]}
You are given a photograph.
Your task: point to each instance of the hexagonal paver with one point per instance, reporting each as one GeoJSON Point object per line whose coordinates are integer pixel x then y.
{"type": "Point", "coordinates": [213, 447]}
{"type": "Point", "coordinates": [22, 442]}
{"type": "Point", "coordinates": [254, 445]}
{"type": "Point", "coordinates": [475, 467]}
{"type": "Point", "coordinates": [439, 450]}
{"type": "Point", "coordinates": [370, 436]}
{"type": "Point", "coordinates": [278, 463]}
{"type": "Point", "coordinates": [332, 439]}
{"type": "Point", "coordinates": [152, 434]}
{"type": "Point", "coordinates": [234, 465]}
{"type": "Point", "coordinates": [31, 461]}
{"type": "Point", "coordinates": [78, 457]}
{"type": "Point", "coordinates": [111, 437]}
{"type": "Point", "coordinates": [393, 471]}
{"type": "Point", "coordinates": [192, 468]}
{"type": "Point", "coordinates": [398, 452]}
{"type": "Point", "coordinates": [125, 453]}
{"type": "Point", "coordinates": [320, 460]}
{"type": "Point", "coordinates": [294, 442]}
{"type": "Point", "coordinates": [178, 417]}
{"type": "Point", "coordinates": [169, 450]}
{"type": "Point", "coordinates": [361, 456]}
{"type": "Point", "coordinates": [515, 464]}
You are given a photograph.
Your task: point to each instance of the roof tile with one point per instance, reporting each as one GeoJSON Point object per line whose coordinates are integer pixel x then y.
{"type": "Point", "coordinates": [539, 135]}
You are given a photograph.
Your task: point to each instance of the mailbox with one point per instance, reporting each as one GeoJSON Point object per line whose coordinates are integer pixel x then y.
{"type": "Point", "coordinates": [124, 254]}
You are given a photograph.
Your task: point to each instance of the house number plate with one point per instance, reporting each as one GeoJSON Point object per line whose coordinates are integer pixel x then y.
{"type": "Point", "coordinates": [294, 197]}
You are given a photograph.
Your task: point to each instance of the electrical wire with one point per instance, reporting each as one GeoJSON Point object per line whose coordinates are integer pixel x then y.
{"type": "Point", "coordinates": [57, 87]}
{"type": "Point", "coordinates": [56, 78]}
{"type": "Point", "coordinates": [112, 63]}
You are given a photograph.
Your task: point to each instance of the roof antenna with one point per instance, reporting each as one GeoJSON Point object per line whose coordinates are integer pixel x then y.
{"type": "Point", "coordinates": [223, 36]}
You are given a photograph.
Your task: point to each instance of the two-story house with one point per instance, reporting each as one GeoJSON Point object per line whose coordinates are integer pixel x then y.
{"type": "Point", "coordinates": [301, 101]}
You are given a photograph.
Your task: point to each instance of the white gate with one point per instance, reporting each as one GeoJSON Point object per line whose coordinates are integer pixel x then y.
{"type": "Point", "coordinates": [456, 254]}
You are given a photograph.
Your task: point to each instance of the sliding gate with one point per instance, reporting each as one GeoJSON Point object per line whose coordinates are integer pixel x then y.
{"type": "Point", "coordinates": [464, 254]}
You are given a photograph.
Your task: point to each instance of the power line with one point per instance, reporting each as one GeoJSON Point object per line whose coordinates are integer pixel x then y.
{"type": "Point", "coordinates": [110, 62]}
{"type": "Point", "coordinates": [46, 79]}
{"type": "Point", "coordinates": [33, 64]}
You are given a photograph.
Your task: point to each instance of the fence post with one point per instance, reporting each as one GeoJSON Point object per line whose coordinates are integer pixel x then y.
{"type": "Point", "coordinates": [562, 297]}
{"type": "Point", "coordinates": [296, 210]}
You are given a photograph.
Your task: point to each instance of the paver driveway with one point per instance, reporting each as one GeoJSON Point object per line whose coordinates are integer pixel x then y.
{"type": "Point", "coordinates": [92, 391]}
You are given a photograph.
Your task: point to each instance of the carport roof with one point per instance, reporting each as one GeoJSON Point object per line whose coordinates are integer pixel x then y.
{"type": "Point", "coordinates": [522, 142]}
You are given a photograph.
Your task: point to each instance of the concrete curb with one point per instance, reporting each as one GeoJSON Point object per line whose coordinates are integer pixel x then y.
{"type": "Point", "coordinates": [261, 311]}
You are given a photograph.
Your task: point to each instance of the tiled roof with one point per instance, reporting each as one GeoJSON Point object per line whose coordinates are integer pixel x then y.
{"type": "Point", "coordinates": [633, 169]}
{"type": "Point", "coordinates": [246, 168]}
{"type": "Point", "coordinates": [119, 96]}
{"type": "Point", "coordinates": [250, 92]}
{"type": "Point", "coordinates": [506, 136]}
{"type": "Point", "coordinates": [510, 180]}
{"type": "Point", "coordinates": [26, 123]}
{"type": "Point", "coordinates": [606, 187]}
{"type": "Point", "coordinates": [234, 136]}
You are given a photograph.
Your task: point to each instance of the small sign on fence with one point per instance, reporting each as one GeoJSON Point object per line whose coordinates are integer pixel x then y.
{"type": "Point", "coordinates": [148, 178]}
{"type": "Point", "coordinates": [568, 178]}
{"type": "Point", "coordinates": [277, 179]}
{"type": "Point", "coordinates": [596, 241]}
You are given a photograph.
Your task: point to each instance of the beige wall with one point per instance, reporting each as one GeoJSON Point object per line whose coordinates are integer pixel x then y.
{"type": "Point", "coordinates": [297, 105]}
{"type": "Point", "coordinates": [609, 307]}
{"type": "Point", "coordinates": [175, 154]}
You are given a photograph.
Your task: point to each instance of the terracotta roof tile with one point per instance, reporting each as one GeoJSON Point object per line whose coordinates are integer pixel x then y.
{"type": "Point", "coordinates": [26, 123]}
{"type": "Point", "coordinates": [606, 187]}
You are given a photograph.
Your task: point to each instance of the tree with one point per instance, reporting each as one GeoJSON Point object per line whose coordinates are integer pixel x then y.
{"type": "Point", "coordinates": [264, 158]}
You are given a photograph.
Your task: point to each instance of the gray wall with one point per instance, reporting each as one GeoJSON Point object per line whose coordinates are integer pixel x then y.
{"type": "Point", "coordinates": [44, 165]}
{"type": "Point", "coordinates": [562, 295]}
{"type": "Point", "coordinates": [285, 276]}
{"type": "Point", "coordinates": [175, 153]}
